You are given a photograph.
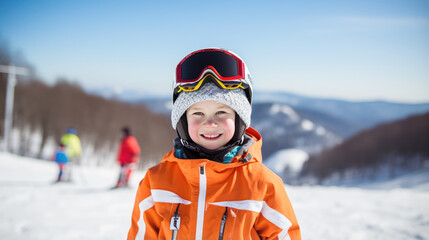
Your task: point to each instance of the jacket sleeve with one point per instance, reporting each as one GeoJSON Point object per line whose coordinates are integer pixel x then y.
{"type": "Point", "coordinates": [145, 222]}
{"type": "Point", "coordinates": [277, 219]}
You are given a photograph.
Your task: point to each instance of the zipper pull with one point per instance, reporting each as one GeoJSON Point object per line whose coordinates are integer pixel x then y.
{"type": "Point", "coordinates": [222, 224]}
{"type": "Point", "coordinates": [175, 223]}
{"type": "Point", "coordinates": [174, 226]}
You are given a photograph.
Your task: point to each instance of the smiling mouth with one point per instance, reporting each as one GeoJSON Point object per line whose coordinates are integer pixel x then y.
{"type": "Point", "coordinates": [211, 136]}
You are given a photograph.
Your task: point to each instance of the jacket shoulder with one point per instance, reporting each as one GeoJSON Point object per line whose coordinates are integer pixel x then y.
{"type": "Point", "coordinates": [162, 167]}
{"type": "Point", "coordinates": [266, 174]}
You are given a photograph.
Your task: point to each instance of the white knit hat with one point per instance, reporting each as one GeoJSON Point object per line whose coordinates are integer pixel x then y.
{"type": "Point", "coordinates": [234, 98]}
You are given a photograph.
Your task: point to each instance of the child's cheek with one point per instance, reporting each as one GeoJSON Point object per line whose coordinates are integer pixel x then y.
{"type": "Point", "coordinates": [193, 126]}
{"type": "Point", "coordinates": [229, 127]}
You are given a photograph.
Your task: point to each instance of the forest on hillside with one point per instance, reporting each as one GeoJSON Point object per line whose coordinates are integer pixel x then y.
{"type": "Point", "coordinates": [47, 111]}
{"type": "Point", "coordinates": [394, 148]}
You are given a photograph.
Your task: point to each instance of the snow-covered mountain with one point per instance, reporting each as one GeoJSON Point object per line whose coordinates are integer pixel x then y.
{"type": "Point", "coordinates": [282, 127]}
{"type": "Point", "coordinates": [349, 117]}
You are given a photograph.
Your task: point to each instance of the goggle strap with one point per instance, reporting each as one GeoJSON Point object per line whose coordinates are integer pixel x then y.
{"type": "Point", "coordinates": [217, 81]}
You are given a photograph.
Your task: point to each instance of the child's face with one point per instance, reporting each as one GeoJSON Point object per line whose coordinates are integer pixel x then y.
{"type": "Point", "coordinates": [211, 124]}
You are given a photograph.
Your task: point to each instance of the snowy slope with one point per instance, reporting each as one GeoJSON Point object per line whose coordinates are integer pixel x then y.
{"type": "Point", "coordinates": [31, 207]}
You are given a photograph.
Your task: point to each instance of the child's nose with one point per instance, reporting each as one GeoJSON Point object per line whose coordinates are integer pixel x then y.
{"type": "Point", "coordinates": [210, 122]}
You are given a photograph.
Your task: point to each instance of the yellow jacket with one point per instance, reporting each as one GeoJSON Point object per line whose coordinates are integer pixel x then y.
{"type": "Point", "coordinates": [73, 147]}
{"type": "Point", "coordinates": [203, 199]}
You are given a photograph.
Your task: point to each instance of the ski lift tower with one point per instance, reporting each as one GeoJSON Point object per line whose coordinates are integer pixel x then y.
{"type": "Point", "coordinates": [12, 71]}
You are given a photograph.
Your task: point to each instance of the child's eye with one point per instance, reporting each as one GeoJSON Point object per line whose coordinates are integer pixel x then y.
{"type": "Point", "coordinates": [220, 112]}
{"type": "Point", "coordinates": [198, 113]}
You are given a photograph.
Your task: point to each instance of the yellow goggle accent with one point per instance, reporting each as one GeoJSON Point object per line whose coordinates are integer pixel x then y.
{"type": "Point", "coordinates": [220, 83]}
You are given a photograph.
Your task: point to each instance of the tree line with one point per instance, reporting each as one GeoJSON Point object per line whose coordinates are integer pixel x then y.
{"type": "Point", "coordinates": [50, 110]}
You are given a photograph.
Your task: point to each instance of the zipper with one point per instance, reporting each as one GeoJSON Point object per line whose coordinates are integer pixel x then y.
{"type": "Point", "coordinates": [175, 223]}
{"type": "Point", "coordinates": [201, 203]}
{"type": "Point", "coordinates": [222, 224]}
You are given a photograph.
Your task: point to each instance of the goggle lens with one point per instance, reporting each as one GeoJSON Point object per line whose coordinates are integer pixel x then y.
{"type": "Point", "coordinates": [225, 65]}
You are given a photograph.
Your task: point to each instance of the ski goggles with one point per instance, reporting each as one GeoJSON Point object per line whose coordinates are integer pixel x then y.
{"type": "Point", "coordinates": [225, 65]}
{"type": "Point", "coordinates": [221, 67]}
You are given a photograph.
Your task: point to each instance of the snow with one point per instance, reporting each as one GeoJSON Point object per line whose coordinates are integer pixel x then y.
{"type": "Point", "coordinates": [353, 213]}
{"type": "Point", "coordinates": [285, 109]}
{"type": "Point", "coordinates": [320, 130]}
{"type": "Point", "coordinates": [287, 158]}
{"type": "Point", "coordinates": [307, 125]}
{"type": "Point", "coordinates": [31, 207]}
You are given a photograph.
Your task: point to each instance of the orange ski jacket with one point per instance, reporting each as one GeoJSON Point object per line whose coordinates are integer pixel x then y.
{"type": "Point", "coordinates": [203, 199]}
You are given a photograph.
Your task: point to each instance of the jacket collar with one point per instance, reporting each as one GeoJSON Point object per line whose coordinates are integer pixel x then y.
{"type": "Point", "coordinates": [253, 154]}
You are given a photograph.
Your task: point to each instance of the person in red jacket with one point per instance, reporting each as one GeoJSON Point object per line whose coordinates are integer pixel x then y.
{"type": "Point", "coordinates": [128, 157]}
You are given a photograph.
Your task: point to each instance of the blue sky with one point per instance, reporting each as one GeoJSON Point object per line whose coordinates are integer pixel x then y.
{"type": "Point", "coordinates": [352, 50]}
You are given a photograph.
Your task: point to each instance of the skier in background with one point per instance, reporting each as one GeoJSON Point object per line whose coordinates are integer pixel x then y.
{"type": "Point", "coordinates": [72, 143]}
{"type": "Point", "coordinates": [60, 157]}
{"type": "Point", "coordinates": [128, 157]}
{"type": "Point", "coordinates": [73, 148]}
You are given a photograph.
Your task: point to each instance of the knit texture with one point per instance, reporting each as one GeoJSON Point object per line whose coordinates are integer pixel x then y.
{"type": "Point", "coordinates": [234, 98]}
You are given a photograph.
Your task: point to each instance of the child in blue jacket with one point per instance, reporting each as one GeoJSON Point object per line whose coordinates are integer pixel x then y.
{"type": "Point", "coordinates": [61, 158]}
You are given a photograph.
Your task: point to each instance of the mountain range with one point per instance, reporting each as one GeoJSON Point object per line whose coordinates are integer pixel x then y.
{"type": "Point", "coordinates": [346, 118]}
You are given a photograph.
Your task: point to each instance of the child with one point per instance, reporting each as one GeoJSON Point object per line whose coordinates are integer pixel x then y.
{"type": "Point", "coordinates": [213, 184]}
{"type": "Point", "coordinates": [61, 158]}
